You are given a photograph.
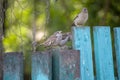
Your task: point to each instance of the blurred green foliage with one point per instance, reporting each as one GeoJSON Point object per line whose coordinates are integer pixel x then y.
{"type": "Point", "coordinates": [49, 16]}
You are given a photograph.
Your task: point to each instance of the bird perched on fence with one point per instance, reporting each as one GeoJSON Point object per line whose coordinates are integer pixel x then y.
{"type": "Point", "coordinates": [65, 38]}
{"type": "Point", "coordinates": [63, 42]}
{"type": "Point", "coordinates": [53, 40]}
{"type": "Point", "coordinates": [81, 18]}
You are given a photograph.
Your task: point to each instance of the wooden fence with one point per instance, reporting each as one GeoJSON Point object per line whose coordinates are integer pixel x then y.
{"type": "Point", "coordinates": [74, 64]}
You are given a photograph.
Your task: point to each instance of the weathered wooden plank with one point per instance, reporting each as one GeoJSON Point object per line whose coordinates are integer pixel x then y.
{"type": "Point", "coordinates": [13, 66]}
{"type": "Point", "coordinates": [66, 65]}
{"type": "Point", "coordinates": [55, 64]}
{"type": "Point", "coordinates": [82, 42]}
{"type": "Point", "coordinates": [117, 48]}
{"type": "Point", "coordinates": [103, 53]}
{"type": "Point", "coordinates": [41, 66]}
{"type": "Point", "coordinates": [1, 35]}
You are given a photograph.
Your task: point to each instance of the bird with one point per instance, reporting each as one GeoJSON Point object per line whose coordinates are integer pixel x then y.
{"type": "Point", "coordinates": [62, 44]}
{"type": "Point", "coordinates": [53, 40]}
{"type": "Point", "coordinates": [64, 41]}
{"type": "Point", "coordinates": [81, 18]}
{"type": "Point", "coordinates": [64, 35]}
{"type": "Point", "coordinates": [67, 36]}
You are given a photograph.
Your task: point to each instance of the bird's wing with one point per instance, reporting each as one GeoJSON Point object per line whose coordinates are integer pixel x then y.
{"type": "Point", "coordinates": [50, 40]}
{"type": "Point", "coordinates": [78, 17]}
{"type": "Point", "coordinates": [83, 18]}
{"type": "Point", "coordinates": [64, 35]}
{"type": "Point", "coordinates": [64, 41]}
{"type": "Point", "coordinates": [75, 17]}
{"type": "Point", "coordinates": [73, 24]}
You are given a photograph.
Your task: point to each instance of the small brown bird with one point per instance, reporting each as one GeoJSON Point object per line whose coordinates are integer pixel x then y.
{"type": "Point", "coordinates": [53, 40]}
{"type": "Point", "coordinates": [64, 35]}
{"type": "Point", "coordinates": [64, 41]}
{"type": "Point", "coordinates": [65, 38]}
{"type": "Point", "coordinates": [81, 18]}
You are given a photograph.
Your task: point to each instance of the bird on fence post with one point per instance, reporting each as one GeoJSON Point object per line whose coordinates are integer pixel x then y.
{"type": "Point", "coordinates": [53, 40]}
{"type": "Point", "coordinates": [64, 35]}
{"type": "Point", "coordinates": [65, 38]}
{"type": "Point", "coordinates": [64, 41]}
{"type": "Point", "coordinates": [81, 18]}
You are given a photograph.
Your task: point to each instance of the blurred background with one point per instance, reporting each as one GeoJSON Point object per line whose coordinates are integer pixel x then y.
{"type": "Point", "coordinates": [27, 21]}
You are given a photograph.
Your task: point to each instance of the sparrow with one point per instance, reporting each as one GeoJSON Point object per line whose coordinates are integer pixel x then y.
{"type": "Point", "coordinates": [64, 35]}
{"type": "Point", "coordinates": [62, 44]}
{"type": "Point", "coordinates": [65, 38]}
{"type": "Point", "coordinates": [64, 41]}
{"type": "Point", "coordinates": [81, 18]}
{"type": "Point", "coordinates": [53, 40]}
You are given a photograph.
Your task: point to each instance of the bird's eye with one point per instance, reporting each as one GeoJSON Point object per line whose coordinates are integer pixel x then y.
{"type": "Point", "coordinates": [85, 10]}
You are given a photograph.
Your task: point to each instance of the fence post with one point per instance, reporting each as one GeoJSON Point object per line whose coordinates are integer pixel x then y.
{"type": "Point", "coordinates": [117, 48]}
{"type": "Point", "coordinates": [103, 53]}
{"type": "Point", "coordinates": [1, 35]}
{"type": "Point", "coordinates": [66, 65]}
{"type": "Point", "coordinates": [41, 66]}
{"type": "Point", "coordinates": [82, 42]}
{"type": "Point", "coordinates": [13, 66]}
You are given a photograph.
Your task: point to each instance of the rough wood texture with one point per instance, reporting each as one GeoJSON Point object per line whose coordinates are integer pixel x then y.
{"type": "Point", "coordinates": [117, 48]}
{"type": "Point", "coordinates": [41, 66]}
{"type": "Point", "coordinates": [103, 53]}
{"type": "Point", "coordinates": [66, 65]}
{"type": "Point", "coordinates": [1, 35]}
{"type": "Point", "coordinates": [13, 66]}
{"type": "Point", "coordinates": [82, 42]}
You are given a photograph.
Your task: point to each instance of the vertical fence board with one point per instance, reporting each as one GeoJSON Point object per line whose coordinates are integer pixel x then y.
{"type": "Point", "coordinates": [82, 42]}
{"type": "Point", "coordinates": [41, 66]}
{"type": "Point", "coordinates": [1, 35]}
{"type": "Point", "coordinates": [13, 66]}
{"type": "Point", "coordinates": [55, 64]}
{"type": "Point", "coordinates": [66, 65]}
{"type": "Point", "coordinates": [117, 48]}
{"type": "Point", "coordinates": [103, 53]}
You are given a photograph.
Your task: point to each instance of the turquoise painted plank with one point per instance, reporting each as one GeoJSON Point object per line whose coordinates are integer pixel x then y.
{"type": "Point", "coordinates": [41, 66]}
{"type": "Point", "coordinates": [103, 53]}
{"type": "Point", "coordinates": [13, 66]}
{"type": "Point", "coordinates": [82, 41]}
{"type": "Point", "coordinates": [117, 48]}
{"type": "Point", "coordinates": [66, 65]}
{"type": "Point", "coordinates": [55, 64]}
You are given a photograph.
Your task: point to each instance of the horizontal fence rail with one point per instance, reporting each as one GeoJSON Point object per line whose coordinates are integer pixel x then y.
{"type": "Point", "coordinates": [74, 64]}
